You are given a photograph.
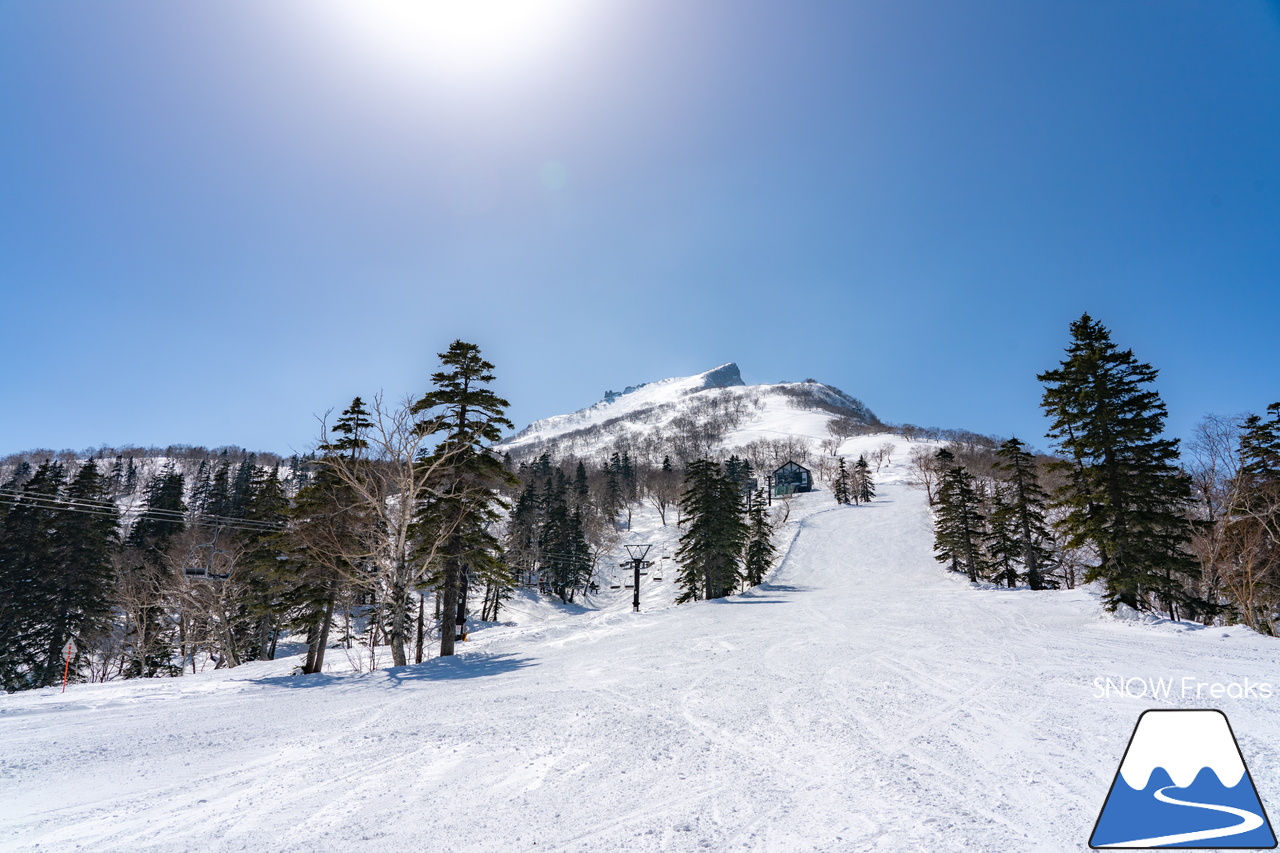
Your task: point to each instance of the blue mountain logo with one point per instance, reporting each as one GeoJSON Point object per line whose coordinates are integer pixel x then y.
{"type": "Point", "coordinates": [1183, 784]}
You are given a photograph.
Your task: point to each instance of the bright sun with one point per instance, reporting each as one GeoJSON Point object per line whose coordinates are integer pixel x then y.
{"type": "Point", "coordinates": [460, 36]}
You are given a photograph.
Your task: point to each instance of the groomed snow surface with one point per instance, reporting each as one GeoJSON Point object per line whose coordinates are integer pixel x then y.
{"type": "Point", "coordinates": [862, 700]}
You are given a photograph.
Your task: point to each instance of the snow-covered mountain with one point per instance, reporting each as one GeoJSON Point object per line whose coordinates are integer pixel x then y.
{"type": "Point", "coordinates": [862, 700]}
{"type": "Point", "coordinates": [690, 416]}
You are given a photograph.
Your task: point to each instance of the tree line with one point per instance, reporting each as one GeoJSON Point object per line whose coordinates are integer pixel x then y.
{"type": "Point", "coordinates": [218, 566]}
{"type": "Point", "coordinates": [1192, 539]}
{"type": "Point", "coordinates": [400, 529]}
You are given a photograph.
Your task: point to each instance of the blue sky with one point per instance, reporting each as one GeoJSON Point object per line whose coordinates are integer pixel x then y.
{"type": "Point", "coordinates": [219, 220]}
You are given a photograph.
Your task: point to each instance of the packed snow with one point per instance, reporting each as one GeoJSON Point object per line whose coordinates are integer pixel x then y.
{"type": "Point", "coordinates": [863, 699]}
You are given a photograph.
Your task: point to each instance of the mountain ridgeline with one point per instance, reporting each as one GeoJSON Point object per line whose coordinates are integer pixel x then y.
{"type": "Point", "coordinates": [689, 418]}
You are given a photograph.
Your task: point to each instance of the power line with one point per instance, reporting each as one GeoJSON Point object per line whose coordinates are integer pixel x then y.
{"type": "Point", "coordinates": [102, 510]}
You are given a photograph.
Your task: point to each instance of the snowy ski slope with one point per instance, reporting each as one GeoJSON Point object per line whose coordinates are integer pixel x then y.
{"type": "Point", "coordinates": [862, 700]}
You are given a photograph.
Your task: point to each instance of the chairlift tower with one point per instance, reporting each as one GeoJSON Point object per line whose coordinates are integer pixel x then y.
{"type": "Point", "coordinates": [637, 562]}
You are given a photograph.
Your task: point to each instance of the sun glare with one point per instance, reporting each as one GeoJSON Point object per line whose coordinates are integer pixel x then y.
{"type": "Point", "coordinates": [460, 36]}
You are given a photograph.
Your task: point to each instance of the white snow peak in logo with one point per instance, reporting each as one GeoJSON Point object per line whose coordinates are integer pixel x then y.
{"type": "Point", "coordinates": [1183, 784]}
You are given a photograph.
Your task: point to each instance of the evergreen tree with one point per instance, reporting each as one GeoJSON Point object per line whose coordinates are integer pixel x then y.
{"type": "Point", "coordinates": [542, 467]}
{"type": "Point", "coordinates": [218, 501]}
{"type": "Point", "coordinates": [264, 577]}
{"type": "Point", "coordinates": [566, 557]}
{"type": "Point", "coordinates": [11, 489]}
{"type": "Point", "coordinates": [161, 520]}
{"type": "Point", "coordinates": [581, 487]}
{"type": "Point", "coordinates": [760, 550]}
{"type": "Point", "coordinates": [613, 500]}
{"type": "Point", "coordinates": [1003, 543]}
{"type": "Point", "coordinates": [325, 535]}
{"type": "Point", "coordinates": [117, 476]}
{"type": "Point", "coordinates": [464, 502]}
{"type": "Point", "coordinates": [1125, 495]}
{"type": "Point", "coordinates": [1251, 528]}
{"type": "Point", "coordinates": [55, 574]}
{"type": "Point", "coordinates": [959, 525]}
{"type": "Point", "coordinates": [711, 548]}
{"type": "Point", "coordinates": [150, 650]}
{"type": "Point", "coordinates": [28, 560]}
{"type": "Point", "coordinates": [130, 478]}
{"type": "Point", "coordinates": [842, 489]}
{"type": "Point", "coordinates": [864, 487]}
{"type": "Point", "coordinates": [523, 527]}
{"type": "Point", "coordinates": [1258, 483]}
{"type": "Point", "coordinates": [1025, 511]}
{"type": "Point", "coordinates": [81, 584]}
{"type": "Point", "coordinates": [626, 478]}
{"type": "Point", "coordinates": [202, 485]}
{"type": "Point", "coordinates": [350, 428]}
{"type": "Point", "coordinates": [242, 487]}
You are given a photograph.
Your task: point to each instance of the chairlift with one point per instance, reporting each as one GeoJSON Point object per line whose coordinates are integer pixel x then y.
{"type": "Point", "coordinates": [203, 573]}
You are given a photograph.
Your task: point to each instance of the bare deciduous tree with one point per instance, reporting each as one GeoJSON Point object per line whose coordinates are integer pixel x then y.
{"type": "Point", "coordinates": [924, 471]}
{"type": "Point", "coordinates": [661, 490]}
{"type": "Point", "coordinates": [882, 454]}
{"type": "Point", "coordinates": [387, 479]}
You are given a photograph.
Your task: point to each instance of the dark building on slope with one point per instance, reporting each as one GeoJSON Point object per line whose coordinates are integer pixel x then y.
{"type": "Point", "coordinates": [791, 478]}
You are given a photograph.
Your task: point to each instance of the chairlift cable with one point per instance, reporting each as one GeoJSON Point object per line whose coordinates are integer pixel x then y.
{"type": "Point", "coordinates": [101, 512]}
{"type": "Point", "coordinates": [40, 499]}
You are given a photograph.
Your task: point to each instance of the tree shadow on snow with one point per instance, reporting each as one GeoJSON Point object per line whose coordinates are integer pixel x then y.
{"type": "Point", "coordinates": [436, 669]}
{"type": "Point", "coordinates": [765, 593]}
{"type": "Point", "coordinates": [458, 667]}
{"type": "Point", "coordinates": [781, 587]}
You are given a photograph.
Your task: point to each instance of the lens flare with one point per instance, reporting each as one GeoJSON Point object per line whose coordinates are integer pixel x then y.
{"type": "Point", "coordinates": [459, 36]}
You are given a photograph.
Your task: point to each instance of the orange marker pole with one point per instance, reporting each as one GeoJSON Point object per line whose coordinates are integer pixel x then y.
{"type": "Point", "coordinates": [66, 669]}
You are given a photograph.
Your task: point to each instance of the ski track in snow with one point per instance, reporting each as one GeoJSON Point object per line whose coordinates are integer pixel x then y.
{"type": "Point", "coordinates": [862, 700]}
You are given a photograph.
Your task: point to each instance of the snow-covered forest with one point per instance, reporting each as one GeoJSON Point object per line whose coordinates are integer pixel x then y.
{"type": "Point", "coordinates": [852, 635]}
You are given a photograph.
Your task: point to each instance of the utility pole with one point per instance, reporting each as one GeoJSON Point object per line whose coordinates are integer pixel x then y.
{"type": "Point", "coordinates": [637, 563]}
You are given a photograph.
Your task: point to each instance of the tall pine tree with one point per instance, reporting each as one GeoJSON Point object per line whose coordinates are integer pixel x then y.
{"type": "Point", "coordinates": [760, 551]}
{"type": "Point", "coordinates": [81, 583]}
{"type": "Point", "coordinates": [864, 487]}
{"type": "Point", "coordinates": [1125, 495]}
{"type": "Point", "coordinates": [960, 530]}
{"type": "Point", "coordinates": [842, 488]}
{"type": "Point", "coordinates": [1023, 513]}
{"type": "Point", "coordinates": [464, 501]}
{"type": "Point", "coordinates": [711, 548]}
{"type": "Point", "coordinates": [27, 561]}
